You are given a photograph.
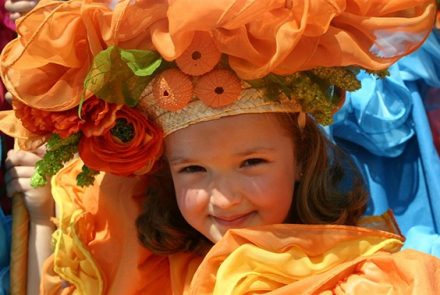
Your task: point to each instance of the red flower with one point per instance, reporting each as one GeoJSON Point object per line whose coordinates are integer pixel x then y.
{"type": "Point", "coordinates": [98, 115]}
{"type": "Point", "coordinates": [131, 146]}
{"type": "Point", "coordinates": [66, 123]}
{"type": "Point", "coordinates": [34, 120]}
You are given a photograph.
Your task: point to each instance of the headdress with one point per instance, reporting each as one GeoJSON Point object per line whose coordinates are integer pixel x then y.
{"type": "Point", "coordinates": [110, 82]}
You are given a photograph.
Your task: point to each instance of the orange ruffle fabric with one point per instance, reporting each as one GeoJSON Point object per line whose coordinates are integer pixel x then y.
{"type": "Point", "coordinates": [96, 252]}
{"type": "Point", "coordinates": [10, 125]}
{"type": "Point", "coordinates": [314, 259]}
{"type": "Point", "coordinates": [275, 36]}
{"type": "Point", "coordinates": [46, 65]}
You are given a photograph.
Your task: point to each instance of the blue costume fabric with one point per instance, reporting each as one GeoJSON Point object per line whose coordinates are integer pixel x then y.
{"type": "Point", "coordinates": [5, 239]}
{"type": "Point", "coordinates": [385, 127]}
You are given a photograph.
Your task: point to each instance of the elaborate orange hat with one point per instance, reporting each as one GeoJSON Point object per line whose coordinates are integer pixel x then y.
{"type": "Point", "coordinates": [110, 81]}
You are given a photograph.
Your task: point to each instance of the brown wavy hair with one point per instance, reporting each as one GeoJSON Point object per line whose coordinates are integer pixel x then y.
{"type": "Point", "coordinates": [330, 191]}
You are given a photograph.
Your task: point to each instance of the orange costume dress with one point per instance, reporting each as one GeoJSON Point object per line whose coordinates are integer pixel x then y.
{"type": "Point", "coordinates": [48, 69]}
{"type": "Point", "coordinates": [96, 251]}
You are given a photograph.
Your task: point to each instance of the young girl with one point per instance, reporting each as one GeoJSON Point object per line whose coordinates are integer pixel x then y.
{"type": "Point", "coordinates": [268, 171]}
{"type": "Point", "coordinates": [244, 194]}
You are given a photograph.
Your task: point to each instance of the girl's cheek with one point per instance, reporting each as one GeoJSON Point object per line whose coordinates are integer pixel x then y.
{"type": "Point", "coordinates": [192, 199]}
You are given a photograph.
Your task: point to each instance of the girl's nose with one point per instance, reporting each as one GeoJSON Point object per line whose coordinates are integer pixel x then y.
{"type": "Point", "coordinates": [224, 193]}
{"type": "Point", "coordinates": [224, 200]}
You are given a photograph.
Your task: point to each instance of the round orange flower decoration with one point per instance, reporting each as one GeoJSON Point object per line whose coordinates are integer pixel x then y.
{"type": "Point", "coordinates": [172, 90]}
{"type": "Point", "coordinates": [131, 146]}
{"type": "Point", "coordinates": [218, 88]}
{"type": "Point", "coordinates": [200, 57]}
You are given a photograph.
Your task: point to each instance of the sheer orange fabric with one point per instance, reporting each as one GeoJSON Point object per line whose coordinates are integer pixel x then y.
{"type": "Point", "coordinates": [314, 259]}
{"type": "Point", "coordinates": [46, 65]}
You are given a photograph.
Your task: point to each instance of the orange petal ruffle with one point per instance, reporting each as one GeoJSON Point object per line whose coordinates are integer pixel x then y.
{"type": "Point", "coordinates": [12, 126]}
{"type": "Point", "coordinates": [269, 36]}
{"type": "Point", "coordinates": [46, 65]}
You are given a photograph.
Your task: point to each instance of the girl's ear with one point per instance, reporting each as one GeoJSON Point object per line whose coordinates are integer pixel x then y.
{"type": "Point", "coordinates": [299, 172]}
{"type": "Point", "coordinates": [299, 175]}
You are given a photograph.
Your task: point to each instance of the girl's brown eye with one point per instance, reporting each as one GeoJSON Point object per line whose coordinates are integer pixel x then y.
{"type": "Point", "coordinates": [192, 169]}
{"type": "Point", "coordinates": [253, 162]}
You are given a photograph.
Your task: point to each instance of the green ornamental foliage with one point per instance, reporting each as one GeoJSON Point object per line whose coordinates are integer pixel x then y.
{"type": "Point", "coordinates": [86, 177]}
{"type": "Point", "coordinates": [119, 76]}
{"type": "Point", "coordinates": [59, 151]}
{"type": "Point", "coordinates": [123, 130]}
{"type": "Point", "coordinates": [319, 91]}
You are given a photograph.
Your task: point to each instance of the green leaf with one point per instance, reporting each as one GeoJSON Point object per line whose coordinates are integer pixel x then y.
{"type": "Point", "coordinates": [141, 62]}
{"type": "Point", "coordinates": [119, 76]}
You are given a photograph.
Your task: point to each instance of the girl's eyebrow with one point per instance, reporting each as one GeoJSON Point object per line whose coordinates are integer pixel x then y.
{"type": "Point", "coordinates": [180, 160]}
{"type": "Point", "coordinates": [255, 150]}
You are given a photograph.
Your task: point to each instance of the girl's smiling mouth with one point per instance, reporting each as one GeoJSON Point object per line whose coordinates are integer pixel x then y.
{"type": "Point", "coordinates": [233, 220]}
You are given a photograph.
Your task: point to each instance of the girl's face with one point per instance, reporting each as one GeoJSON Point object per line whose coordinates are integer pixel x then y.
{"type": "Point", "coordinates": [234, 172]}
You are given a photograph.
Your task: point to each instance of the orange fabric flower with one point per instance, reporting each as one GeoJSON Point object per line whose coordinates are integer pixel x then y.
{"type": "Point", "coordinates": [98, 116]}
{"type": "Point", "coordinates": [46, 65]}
{"type": "Point", "coordinates": [218, 88]}
{"type": "Point", "coordinates": [200, 57]}
{"type": "Point", "coordinates": [172, 90]}
{"type": "Point", "coordinates": [262, 36]}
{"type": "Point", "coordinates": [135, 154]}
{"type": "Point", "coordinates": [66, 123]}
{"type": "Point", "coordinates": [34, 120]}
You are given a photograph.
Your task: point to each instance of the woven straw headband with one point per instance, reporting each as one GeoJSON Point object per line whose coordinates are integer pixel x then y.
{"type": "Point", "coordinates": [251, 101]}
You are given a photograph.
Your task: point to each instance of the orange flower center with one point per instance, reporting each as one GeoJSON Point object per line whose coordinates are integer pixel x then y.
{"type": "Point", "coordinates": [196, 55]}
{"type": "Point", "coordinates": [219, 90]}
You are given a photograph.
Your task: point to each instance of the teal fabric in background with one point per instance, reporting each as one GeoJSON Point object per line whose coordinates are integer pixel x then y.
{"type": "Point", "coordinates": [385, 127]}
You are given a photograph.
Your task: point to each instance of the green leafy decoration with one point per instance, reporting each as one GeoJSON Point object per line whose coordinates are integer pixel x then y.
{"type": "Point", "coordinates": [119, 76]}
{"type": "Point", "coordinates": [341, 77]}
{"type": "Point", "coordinates": [142, 62]}
{"type": "Point", "coordinates": [381, 74]}
{"type": "Point", "coordinates": [123, 130]}
{"type": "Point", "coordinates": [318, 90]}
{"type": "Point", "coordinates": [315, 95]}
{"type": "Point", "coordinates": [59, 151]}
{"type": "Point", "coordinates": [86, 177]}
